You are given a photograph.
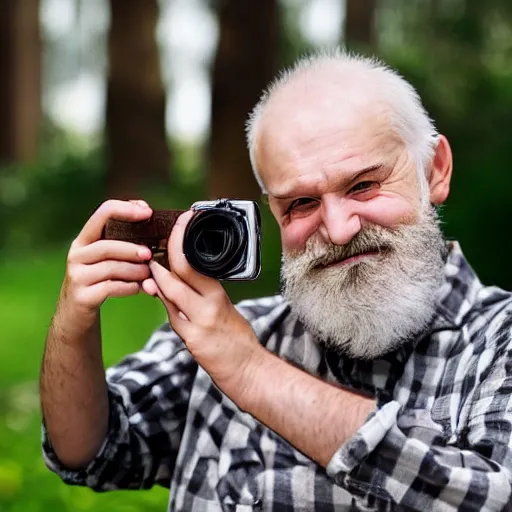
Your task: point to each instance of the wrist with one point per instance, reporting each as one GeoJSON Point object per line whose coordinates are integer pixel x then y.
{"type": "Point", "coordinates": [73, 326]}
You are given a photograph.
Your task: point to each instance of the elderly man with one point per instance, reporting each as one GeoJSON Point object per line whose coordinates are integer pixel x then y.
{"type": "Point", "coordinates": [378, 380]}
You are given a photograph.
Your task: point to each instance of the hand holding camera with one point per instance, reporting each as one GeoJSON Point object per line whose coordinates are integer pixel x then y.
{"type": "Point", "coordinates": [98, 268]}
{"type": "Point", "coordinates": [213, 241]}
{"type": "Point", "coordinates": [200, 311]}
{"type": "Point", "coordinates": [222, 240]}
{"type": "Point", "coordinates": [110, 255]}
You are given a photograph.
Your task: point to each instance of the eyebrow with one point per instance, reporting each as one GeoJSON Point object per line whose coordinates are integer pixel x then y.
{"type": "Point", "coordinates": [290, 193]}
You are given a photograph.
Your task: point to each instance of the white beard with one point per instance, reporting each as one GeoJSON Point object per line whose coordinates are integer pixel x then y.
{"type": "Point", "coordinates": [371, 306]}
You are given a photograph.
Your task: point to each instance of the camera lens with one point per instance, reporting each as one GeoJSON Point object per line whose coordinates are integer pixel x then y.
{"type": "Point", "coordinates": [215, 242]}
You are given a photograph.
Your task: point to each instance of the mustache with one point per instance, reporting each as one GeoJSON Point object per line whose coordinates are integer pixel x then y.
{"type": "Point", "coordinates": [369, 239]}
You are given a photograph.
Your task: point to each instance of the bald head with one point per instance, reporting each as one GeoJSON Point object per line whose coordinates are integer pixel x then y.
{"type": "Point", "coordinates": [335, 93]}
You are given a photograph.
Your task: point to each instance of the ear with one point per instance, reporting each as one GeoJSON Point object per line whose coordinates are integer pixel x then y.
{"type": "Point", "coordinates": [441, 172]}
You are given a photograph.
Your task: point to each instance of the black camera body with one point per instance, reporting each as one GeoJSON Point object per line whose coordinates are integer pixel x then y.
{"type": "Point", "coordinates": [222, 240]}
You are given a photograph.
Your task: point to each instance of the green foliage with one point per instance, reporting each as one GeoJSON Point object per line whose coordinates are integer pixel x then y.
{"type": "Point", "coordinates": [292, 43]}
{"type": "Point", "coordinates": [47, 202]}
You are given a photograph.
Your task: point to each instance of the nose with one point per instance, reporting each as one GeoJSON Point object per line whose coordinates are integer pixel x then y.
{"type": "Point", "coordinates": [340, 223]}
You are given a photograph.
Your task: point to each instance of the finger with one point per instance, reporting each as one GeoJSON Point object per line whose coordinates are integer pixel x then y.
{"type": "Point", "coordinates": [176, 291]}
{"type": "Point", "coordinates": [150, 287]}
{"type": "Point", "coordinates": [112, 209]}
{"type": "Point", "coordinates": [178, 262]}
{"type": "Point", "coordinates": [92, 296]}
{"type": "Point", "coordinates": [110, 250]}
{"type": "Point", "coordinates": [177, 319]}
{"type": "Point", "coordinates": [110, 270]}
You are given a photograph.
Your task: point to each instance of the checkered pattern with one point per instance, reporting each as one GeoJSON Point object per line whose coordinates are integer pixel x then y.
{"type": "Point", "coordinates": [439, 440]}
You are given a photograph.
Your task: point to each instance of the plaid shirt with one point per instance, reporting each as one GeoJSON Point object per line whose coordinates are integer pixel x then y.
{"type": "Point", "coordinates": [439, 439]}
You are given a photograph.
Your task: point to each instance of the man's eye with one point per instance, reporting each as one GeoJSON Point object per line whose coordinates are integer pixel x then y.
{"type": "Point", "coordinates": [301, 204]}
{"type": "Point", "coordinates": [362, 186]}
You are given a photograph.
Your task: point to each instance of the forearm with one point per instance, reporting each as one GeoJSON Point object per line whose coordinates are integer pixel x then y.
{"type": "Point", "coordinates": [73, 390]}
{"type": "Point", "coordinates": [314, 416]}
{"type": "Point", "coordinates": [74, 395]}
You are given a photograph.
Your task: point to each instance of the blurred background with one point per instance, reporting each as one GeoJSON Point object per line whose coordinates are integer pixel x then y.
{"type": "Point", "coordinates": [147, 98]}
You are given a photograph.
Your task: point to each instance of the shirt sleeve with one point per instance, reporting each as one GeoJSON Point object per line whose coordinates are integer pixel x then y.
{"type": "Point", "coordinates": [149, 392]}
{"type": "Point", "coordinates": [403, 458]}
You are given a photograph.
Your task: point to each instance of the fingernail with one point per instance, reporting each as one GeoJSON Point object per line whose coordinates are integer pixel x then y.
{"type": "Point", "coordinates": [143, 252]}
{"type": "Point", "coordinates": [142, 204]}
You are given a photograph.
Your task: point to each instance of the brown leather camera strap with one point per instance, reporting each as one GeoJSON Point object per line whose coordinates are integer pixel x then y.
{"type": "Point", "coordinates": [153, 233]}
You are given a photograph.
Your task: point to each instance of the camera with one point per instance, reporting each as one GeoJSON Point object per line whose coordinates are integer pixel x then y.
{"type": "Point", "coordinates": [222, 240]}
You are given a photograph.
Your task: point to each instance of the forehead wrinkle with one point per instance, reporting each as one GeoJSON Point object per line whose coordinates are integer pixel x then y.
{"type": "Point", "coordinates": [349, 160]}
{"type": "Point", "coordinates": [321, 151]}
{"type": "Point", "coordinates": [304, 174]}
{"type": "Point", "coordinates": [315, 187]}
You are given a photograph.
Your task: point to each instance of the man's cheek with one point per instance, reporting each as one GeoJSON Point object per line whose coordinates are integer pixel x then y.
{"type": "Point", "coordinates": [389, 212]}
{"type": "Point", "coordinates": [295, 235]}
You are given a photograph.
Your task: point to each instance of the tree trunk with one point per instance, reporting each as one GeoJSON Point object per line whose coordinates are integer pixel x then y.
{"type": "Point", "coordinates": [360, 30]}
{"type": "Point", "coordinates": [244, 64]}
{"type": "Point", "coordinates": [138, 155]}
{"type": "Point", "coordinates": [20, 72]}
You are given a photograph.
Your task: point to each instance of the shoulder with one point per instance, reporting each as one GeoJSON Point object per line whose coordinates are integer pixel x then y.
{"type": "Point", "coordinates": [489, 326]}
{"type": "Point", "coordinates": [493, 310]}
{"type": "Point", "coordinates": [499, 330]}
{"type": "Point", "coordinates": [481, 312]}
{"type": "Point", "coordinates": [480, 334]}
